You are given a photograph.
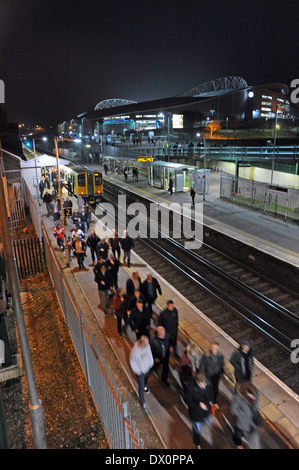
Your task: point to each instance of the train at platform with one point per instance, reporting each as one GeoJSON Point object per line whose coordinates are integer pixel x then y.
{"type": "Point", "coordinates": [82, 181]}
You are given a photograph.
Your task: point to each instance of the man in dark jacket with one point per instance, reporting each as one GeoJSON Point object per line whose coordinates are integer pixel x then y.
{"type": "Point", "coordinates": [103, 280]}
{"type": "Point", "coordinates": [170, 320]}
{"type": "Point", "coordinates": [242, 361]}
{"type": "Point", "coordinates": [212, 366]}
{"type": "Point", "coordinates": [112, 265]}
{"type": "Point", "coordinates": [150, 287]}
{"type": "Point", "coordinates": [47, 200]}
{"type": "Point", "coordinates": [198, 397]}
{"type": "Point", "coordinates": [133, 300]}
{"type": "Point", "coordinates": [102, 249]}
{"type": "Point", "coordinates": [160, 350]}
{"type": "Point", "coordinates": [133, 284]}
{"type": "Point", "coordinates": [114, 243]}
{"type": "Point", "coordinates": [140, 320]}
{"type": "Point", "coordinates": [127, 244]}
{"type": "Point", "coordinates": [91, 242]}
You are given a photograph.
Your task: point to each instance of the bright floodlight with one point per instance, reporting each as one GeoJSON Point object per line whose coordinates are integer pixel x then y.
{"type": "Point", "coordinates": [78, 141]}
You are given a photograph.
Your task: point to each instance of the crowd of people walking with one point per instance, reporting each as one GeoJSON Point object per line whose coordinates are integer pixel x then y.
{"type": "Point", "coordinates": [156, 341]}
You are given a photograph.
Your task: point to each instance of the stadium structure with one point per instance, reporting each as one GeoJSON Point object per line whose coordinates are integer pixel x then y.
{"type": "Point", "coordinates": [228, 101]}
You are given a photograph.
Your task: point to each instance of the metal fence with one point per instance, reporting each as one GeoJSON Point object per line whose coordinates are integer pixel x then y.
{"type": "Point", "coordinates": [29, 257]}
{"type": "Point", "coordinates": [262, 196]}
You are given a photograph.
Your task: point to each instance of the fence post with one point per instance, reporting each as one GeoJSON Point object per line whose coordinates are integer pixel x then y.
{"type": "Point", "coordinates": [126, 417]}
{"type": "Point", "coordinates": [86, 364]}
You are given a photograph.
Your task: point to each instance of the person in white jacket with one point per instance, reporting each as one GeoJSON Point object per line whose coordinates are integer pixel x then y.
{"type": "Point", "coordinates": [141, 361]}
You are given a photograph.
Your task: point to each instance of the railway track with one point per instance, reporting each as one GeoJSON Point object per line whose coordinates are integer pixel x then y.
{"type": "Point", "coordinates": [238, 300]}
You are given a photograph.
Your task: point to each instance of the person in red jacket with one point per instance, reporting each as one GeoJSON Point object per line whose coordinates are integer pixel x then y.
{"type": "Point", "coordinates": [59, 234]}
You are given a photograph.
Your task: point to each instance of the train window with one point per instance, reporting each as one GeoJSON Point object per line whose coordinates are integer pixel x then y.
{"type": "Point", "coordinates": [81, 180]}
{"type": "Point", "coordinates": [98, 179]}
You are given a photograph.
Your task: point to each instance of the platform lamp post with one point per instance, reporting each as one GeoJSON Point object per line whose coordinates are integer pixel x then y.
{"type": "Point", "coordinates": [274, 145]}
{"type": "Point", "coordinates": [204, 165]}
{"type": "Point", "coordinates": [36, 178]}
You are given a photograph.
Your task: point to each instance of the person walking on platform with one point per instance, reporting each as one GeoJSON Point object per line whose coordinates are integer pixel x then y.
{"type": "Point", "coordinates": [198, 397]}
{"type": "Point", "coordinates": [80, 203]}
{"type": "Point", "coordinates": [140, 320]}
{"type": "Point", "coordinates": [69, 188]}
{"type": "Point", "coordinates": [88, 213]}
{"type": "Point", "coordinates": [120, 304]}
{"type": "Point", "coordinates": [127, 244]}
{"type": "Point", "coordinates": [112, 266]}
{"type": "Point", "coordinates": [59, 234]}
{"type": "Point", "coordinates": [159, 342]}
{"type": "Point", "coordinates": [242, 361]}
{"type": "Point", "coordinates": [150, 287]}
{"type": "Point", "coordinates": [133, 300]}
{"type": "Point", "coordinates": [56, 213]}
{"type": "Point", "coordinates": [75, 217]}
{"type": "Point", "coordinates": [102, 278]}
{"type": "Point", "coordinates": [76, 232]}
{"type": "Point", "coordinates": [170, 185]}
{"type": "Point", "coordinates": [187, 367]}
{"type": "Point", "coordinates": [83, 217]}
{"type": "Point", "coordinates": [244, 407]}
{"type": "Point", "coordinates": [55, 185]}
{"type": "Point", "coordinates": [169, 318]}
{"type": "Point", "coordinates": [192, 194]}
{"type": "Point", "coordinates": [80, 225]}
{"type": "Point", "coordinates": [133, 284]}
{"type": "Point", "coordinates": [91, 242]}
{"type": "Point", "coordinates": [102, 249]}
{"type": "Point", "coordinates": [141, 362]}
{"type": "Point", "coordinates": [41, 188]}
{"type": "Point", "coordinates": [79, 249]}
{"type": "Point", "coordinates": [212, 366]}
{"type": "Point", "coordinates": [47, 199]}
{"type": "Point", "coordinates": [114, 243]}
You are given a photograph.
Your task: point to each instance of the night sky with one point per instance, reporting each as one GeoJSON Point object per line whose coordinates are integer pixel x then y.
{"type": "Point", "coordinates": [59, 58]}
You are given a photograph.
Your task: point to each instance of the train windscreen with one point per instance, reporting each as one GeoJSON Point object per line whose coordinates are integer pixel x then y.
{"type": "Point", "coordinates": [98, 179]}
{"type": "Point", "coordinates": [81, 180]}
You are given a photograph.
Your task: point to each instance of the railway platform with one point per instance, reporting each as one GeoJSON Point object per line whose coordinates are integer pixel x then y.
{"type": "Point", "coordinates": [166, 412]}
{"type": "Point", "coordinates": [269, 234]}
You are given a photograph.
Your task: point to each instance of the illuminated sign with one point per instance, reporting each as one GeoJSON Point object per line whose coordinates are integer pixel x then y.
{"type": "Point", "coordinates": [177, 121]}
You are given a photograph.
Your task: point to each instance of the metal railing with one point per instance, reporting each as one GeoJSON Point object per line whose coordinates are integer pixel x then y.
{"type": "Point", "coordinates": [217, 150]}
{"type": "Point", "coordinates": [283, 202]}
{"type": "Point", "coordinates": [118, 423]}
